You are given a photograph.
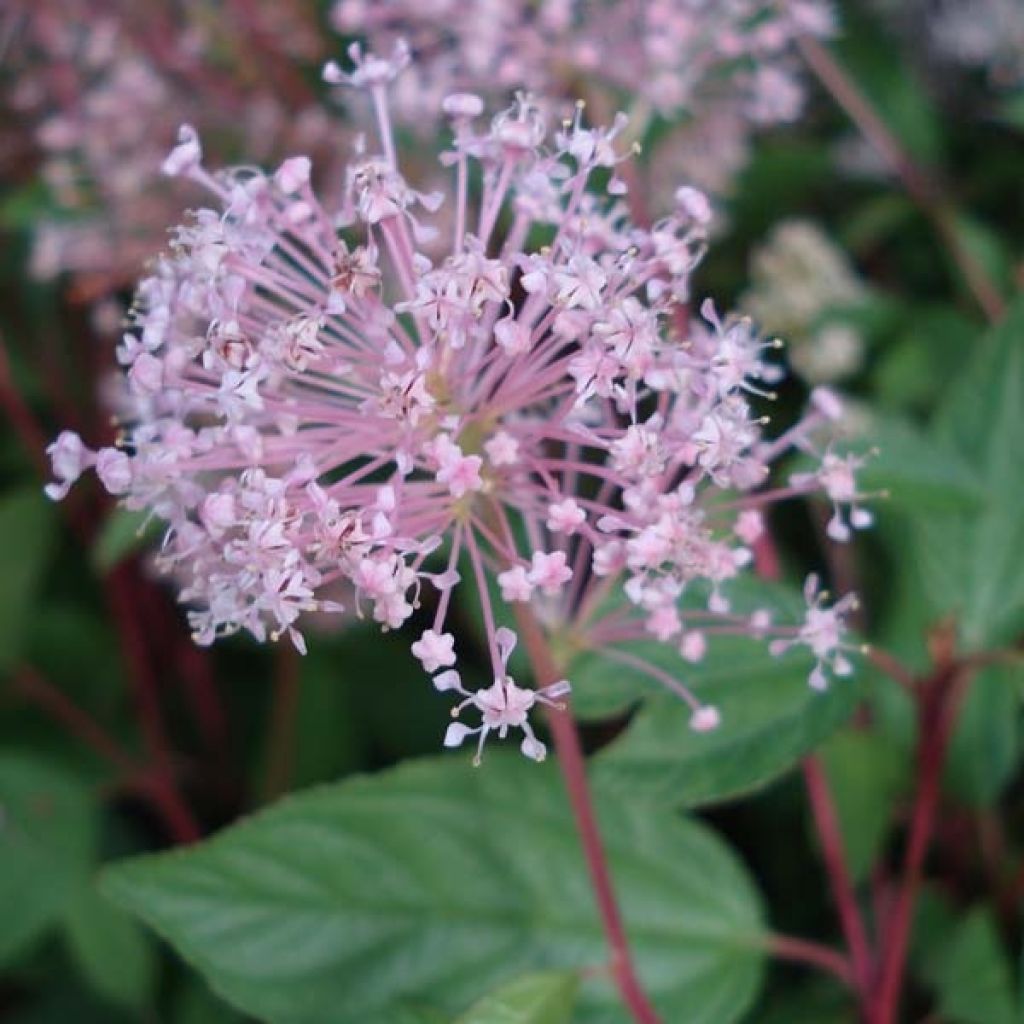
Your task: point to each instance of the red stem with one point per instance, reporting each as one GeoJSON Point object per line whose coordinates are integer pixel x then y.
{"type": "Point", "coordinates": [118, 588]}
{"type": "Point", "coordinates": [179, 819]}
{"type": "Point", "coordinates": [574, 774]}
{"type": "Point", "coordinates": [919, 184]}
{"type": "Point", "coordinates": [145, 692]}
{"type": "Point", "coordinates": [766, 558]}
{"type": "Point", "coordinates": [936, 718]}
{"type": "Point", "coordinates": [32, 439]}
{"type": "Point", "coordinates": [283, 710]}
{"type": "Point", "coordinates": [160, 792]}
{"type": "Point", "coordinates": [59, 706]}
{"type": "Point", "coordinates": [827, 823]}
{"type": "Point", "coordinates": [145, 687]}
{"type": "Point", "coordinates": [201, 685]}
{"type": "Point", "coordinates": [888, 663]}
{"type": "Point", "coordinates": [801, 951]}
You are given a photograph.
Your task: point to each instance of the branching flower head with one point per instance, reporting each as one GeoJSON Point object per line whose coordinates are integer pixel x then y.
{"type": "Point", "coordinates": [799, 280]}
{"type": "Point", "coordinates": [528, 418]}
{"type": "Point", "coordinates": [105, 102]}
{"type": "Point", "coordinates": [722, 67]}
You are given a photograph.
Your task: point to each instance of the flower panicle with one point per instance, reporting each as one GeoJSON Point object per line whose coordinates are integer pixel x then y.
{"type": "Point", "coordinates": [314, 402]}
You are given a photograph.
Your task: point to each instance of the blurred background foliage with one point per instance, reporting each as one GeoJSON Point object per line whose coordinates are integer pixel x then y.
{"type": "Point", "coordinates": [110, 720]}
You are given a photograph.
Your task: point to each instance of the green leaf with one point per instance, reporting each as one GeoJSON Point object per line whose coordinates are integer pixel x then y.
{"type": "Point", "coordinates": [112, 952]}
{"type": "Point", "coordinates": [968, 557]}
{"type": "Point", "coordinates": [603, 688]}
{"type": "Point", "coordinates": [971, 973]}
{"type": "Point", "coordinates": [875, 221]}
{"type": "Point", "coordinates": [329, 739]}
{"type": "Point", "coordinates": [770, 716]}
{"type": "Point", "coordinates": [867, 774]}
{"type": "Point", "coordinates": [1012, 110]}
{"type": "Point", "coordinates": [818, 1001]}
{"type": "Point", "coordinates": [917, 366]}
{"type": "Point", "coordinates": [987, 248]}
{"type": "Point", "coordinates": [124, 532]}
{"type": "Point", "coordinates": [27, 535]}
{"type": "Point", "coordinates": [892, 86]}
{"type": "Point", "coordinates": [986, 744]}
{"type": "Point", "coordinates": [47, 843]}
{"type": "Point", "coordinates": [433, 883]}
{"type": "Point", "coordinates": [194, 1003]}
{"type": "Point", "coordinates": [21, 209]}
{"type": "Point", "coordinates": [770, 719]}
{"type": "Point", "coordinates": [63, 1001]}
{"type": "Point", "coordinates": [912, 470]}
{"type": "Point", "coordinates": [543, 998]}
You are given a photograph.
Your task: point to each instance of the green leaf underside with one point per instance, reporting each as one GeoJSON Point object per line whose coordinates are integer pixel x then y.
{"type": "Point", "coordinates": [543, 998]}
{"type": "Point", "coordinates": [972, 560]}
{"type": "Point", "coordinates": [27, 536]}
{"type": "Point", "coordinates": [867, 774]}
{"type": "Point", "coordinates": [603, 687]}
{"type": "Point", "coordinates": [970, 972]}
{"type": "Point", "coordinates": [433, 883]}
{"type": "Point", "coordinates": [770, 719]}
{"type": "Point", "coordinates": [770, 716]}
{"type": "Point", "coordinates": [47, 845]}
{"type": "Point", "coordinates": [124, 532]}
{"type": "Point", "coordinates": [906, 466]}
{"type": "Point", "coordinates": [111, 950]}
{"type": "Point", "coordinates": [911, 468]}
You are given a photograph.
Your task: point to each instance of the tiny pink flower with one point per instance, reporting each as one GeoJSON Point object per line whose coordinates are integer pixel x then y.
{"type": "Point", "coordinates": [565, 517]}
{"type": "Point", "coordinates": [664, 622]}
{"type": "Point", "coordinates": [514, 337]}
{"type": "Point", "coordinates": [549, 572]}
{"type": "Point", "coordinates": [217, 512]}
{"type": "Point", "coordinates": [502, 706]}
{"type": "Point", "coordinates": [114, 468]}
{"type": "Point", "coordinates": [460, 473]}
{"type": "Point", "coordinates": [186, 155]}
{"type": "Point", "coordinates": [293, 175]}
{"type": "Point", "coordinates": [147, 374]}
{"type": "Point", "coordinates": [705, 719]}
{"type": "Point", "coordinates": [749, 526]}
{"type": "Point", "coordinates": [502, 449]}
{"type": "Point", "coordinates": [515, 584]}
{"type": "Point", "coordinates": [694, 646]}
{"type": "Point", "coordinates": [435, 650]}
{"type": "Point", "coordinates": [695, 204]}
{"type": "Point", "coordinates": [69, 458]}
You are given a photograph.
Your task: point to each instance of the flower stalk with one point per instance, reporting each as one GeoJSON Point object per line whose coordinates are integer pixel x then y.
{"type": "Point", "coordinates": [574, 774]}
{"type": "Point", "coordinates": [920, 185]}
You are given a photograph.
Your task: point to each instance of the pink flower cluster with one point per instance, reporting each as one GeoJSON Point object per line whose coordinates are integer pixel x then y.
{"type": "Point", "coordinates": [105, 86]}
{"type": "Point", "coordinates": [716, 68]}
{"type": "Point", "coordinates": [311, 399]}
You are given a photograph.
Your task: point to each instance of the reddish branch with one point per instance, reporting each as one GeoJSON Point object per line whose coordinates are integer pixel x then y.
{"type": "Point", "coordinates": [919, 184]}
{"type": "Point", "coordinates": [118, 588]}
{"type": "Point", "coordinates": [156, 788]}
{"type": "Point", "coordinates": [936, 717]}
{"type": "Point", "coordinates": [827, 823]}
{"type": "Point", "coordinates": [800, 951]}
{"type": "Point", "coordinates": [61, 708]}
{"type": "Point", "coordinates": [146, 698]}
{"type": "Point", "coordinates": [32, 439]}
{"type": "Point", "coordinates": [283, 711]}
{"type": "Point", "coordinates": [574, 774]}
